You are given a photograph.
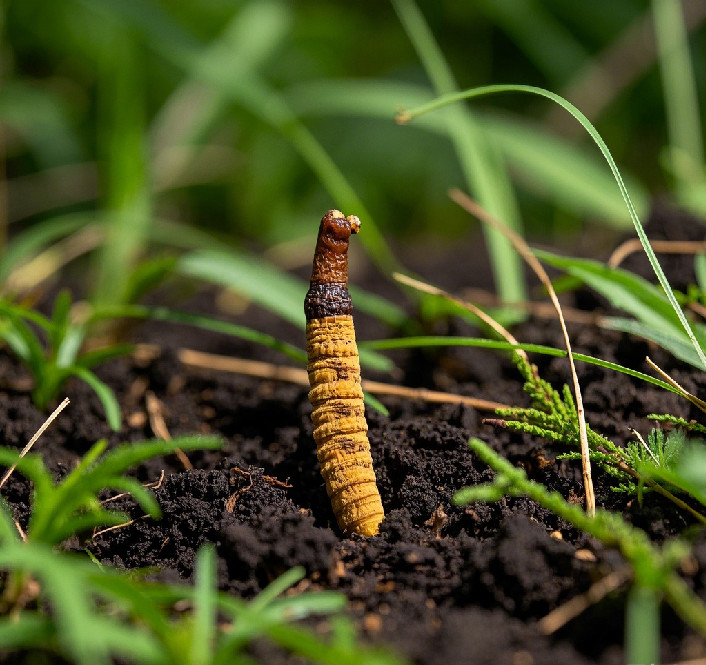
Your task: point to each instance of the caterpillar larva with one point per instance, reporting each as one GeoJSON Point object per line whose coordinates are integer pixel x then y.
{"type": "Point", "coordinates": [340, 430]}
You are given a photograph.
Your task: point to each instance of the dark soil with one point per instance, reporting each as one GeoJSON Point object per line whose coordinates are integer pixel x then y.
{"type": "Point", "coordinates": [440, 584]}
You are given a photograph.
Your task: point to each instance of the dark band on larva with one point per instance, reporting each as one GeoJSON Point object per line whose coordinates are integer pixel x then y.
{"type": "Point", "coordinates": [327, 300]}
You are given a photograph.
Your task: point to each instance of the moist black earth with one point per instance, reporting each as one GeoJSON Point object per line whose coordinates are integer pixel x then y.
{"type": "Point", "coordinates": [440, 583]}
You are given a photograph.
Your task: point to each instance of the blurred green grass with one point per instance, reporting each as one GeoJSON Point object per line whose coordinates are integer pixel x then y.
{"type": "Point", "coordinates": [246, 120]}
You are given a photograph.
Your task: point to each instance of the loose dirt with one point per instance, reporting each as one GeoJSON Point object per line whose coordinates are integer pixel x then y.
{"type": "Point", "coordinates": [440, 584]}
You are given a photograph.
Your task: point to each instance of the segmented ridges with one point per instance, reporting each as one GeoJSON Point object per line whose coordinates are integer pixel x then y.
{"type": "Point", "coordinates": [340, 429]}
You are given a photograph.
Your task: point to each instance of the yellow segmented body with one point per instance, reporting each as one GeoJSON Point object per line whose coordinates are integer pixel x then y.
{"type": "Point", "coordinates": [340, 429]}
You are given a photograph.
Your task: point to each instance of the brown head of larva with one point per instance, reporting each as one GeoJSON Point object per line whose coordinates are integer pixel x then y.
{"type": "Point", "coordinates": [331, 256]}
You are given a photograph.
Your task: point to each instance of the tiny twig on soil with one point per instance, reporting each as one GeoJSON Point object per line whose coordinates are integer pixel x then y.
{"type": "Point", "coordinates": [118, 526]}
{"type": "Point", "coordinates": [621, 252]}
{"type": "Point", "coordinates": [571, 609]}
{"type": "Point", "coordinates": [299, 376]}
{"type": "Point", "coordinates": [488, 320]}
{"type": "Point", "coordinates": [698, 403]}
{"type": "Point", "coordinates": [155, 411]}
{"type": "Point", "coordinates": [233, 498]}
{"type": "Point", "coordinates": [33, 440]}
{"type": "Point", "coordinates": [541, 310]}
{"type": "Point", "coordinates": [154, 485]}
{"type": "Point", "coordinates": [268, 479]}
{"type": "Point", "coordinates": [21, 531]}
{"type": "Point", "coordinates": [638, 436]}
{"type": "Point", "coordinates": [524, 250]}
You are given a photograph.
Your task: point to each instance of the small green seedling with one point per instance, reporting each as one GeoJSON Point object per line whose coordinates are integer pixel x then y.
{"type": "Point", "coordinates": [71, 506]}
{"type": "Point", "coordinates": [56, 358]}
{"type": "Point", "coordinates": [58, 602]}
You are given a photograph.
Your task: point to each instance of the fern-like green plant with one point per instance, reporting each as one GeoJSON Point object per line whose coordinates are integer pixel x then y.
{"type": "Point", "coordinates": [653, 568]}
{"type": "Point", "coordinates": [552, 416]}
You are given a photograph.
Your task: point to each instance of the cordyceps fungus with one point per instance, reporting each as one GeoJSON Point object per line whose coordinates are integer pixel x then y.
{"type": "Point", "coordinates": [340, 429]}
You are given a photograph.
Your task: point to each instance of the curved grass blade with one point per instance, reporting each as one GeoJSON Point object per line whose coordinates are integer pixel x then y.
{"type": "Point", "coordinates": [548, 165]}
{"type": "Point", "coordinates": [674, 342]}
{"type": "Point", "coordinates": [260, 281]}
{"type": "Point", "coordinates": [105, 394]}
{"type": "Point", "coordinates": [431, 341]}
{"type": "Point", "coordinates": [586, 123]}
{"type": "Point", "coordinates": [625, 290]}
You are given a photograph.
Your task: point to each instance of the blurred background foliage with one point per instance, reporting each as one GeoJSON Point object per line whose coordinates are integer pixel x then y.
{"type": "Point", "coordinates": [134, 125]}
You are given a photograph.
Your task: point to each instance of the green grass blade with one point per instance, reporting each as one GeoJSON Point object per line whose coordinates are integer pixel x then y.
{"type": "Point", "coordinates": [90, 359]}
{"type": "Point", "coordinates": [554, 168]}
{"type": "Point", "coordinates": [22, 339]}
{"type": "Point", "coordinates": [382, 309]}
{"type": "Point", "coordinates": [17, 342]}
{"type": "Point", "coordinates": [105, 395]}
{"type": "Point", "coordinates": [586, 124]}
{"type": "Point", "coordinates": [205, 322]}
{"type": "Point", "coordinates": [678, 345]}
{"type": "Point", "coordinates": [78, 525]}
{"type": "Point", "coordinates": [43, 119]}
{"type": "Point", "coordinates": [305, 605]}
{"type": "Point", "coordinates": [204, 626]}
{"type": "Point", "coordinates": [547, 165]}
{"type": "Point", "coordinates": [684, 121]}
{"type": "Point", "coordinates": [69, 346]}
{"type": "Point", "coordinates": [62, 582]}
{"type": "Point", "coordinates": [142, 496]}
{"type": "Point", "coordinates": [374, 403]}
{"type": "Point", "coordinates": [59, 319]}
{"type": "Point", "coordinates": [26, 630]}
{"type": "Point", "coordinates": [276, 588]}
{"type": "Point", "coordinates": [214, 65]}
{"type": "Point", "coordinates": [623, 289]}
{"type": "Point", "coordinates": [483, 167]}
{"type": "Point", "coordinates": [700, 271]}
{"type": "Point", "coordinates": [122, 589]}
{"type": "Point", "coordinates": [642, 626]}
{"type": "Point", "coordinates": [253, 277]}
{"type": "Point", "coordinates": [61, 509]}
{"type": "Point", "coordinates": [431, 341]}
{"type": "Point", "coordinates": [55, 504]}
{"type": "Point", "coordinates": [309, 645]}
{"type": "Point", "coordinates": [120, 459]}
{"type": "Point", "coordinates": [121, 126]}
{"type": "Point", "coordinates": [38, 236]}
{"type": "Point", "coordinates": [270, 287]}
{"type": "Point", "coordinates": [149, 274]}
{"type": "Point", "coordinates": [10, 309]}
{"type": "Point", "coordinates": [31, 466]}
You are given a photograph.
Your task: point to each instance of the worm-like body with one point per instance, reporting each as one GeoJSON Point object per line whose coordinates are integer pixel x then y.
{"type": "Point", "coordinates": [340, 430]}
